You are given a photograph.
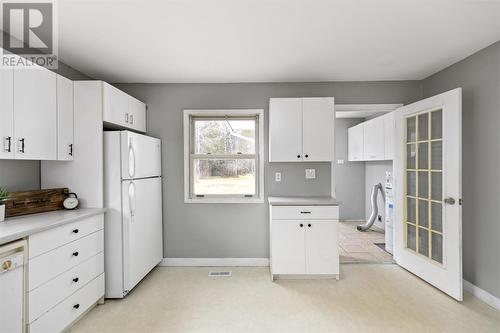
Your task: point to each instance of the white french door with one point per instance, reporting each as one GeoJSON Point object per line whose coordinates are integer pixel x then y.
{"type": "Point", "coordinates": [428, 190]}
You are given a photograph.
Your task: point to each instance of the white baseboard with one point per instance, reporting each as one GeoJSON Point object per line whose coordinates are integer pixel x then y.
{"type": "Point", "coordinates": [483, 295]}
{"type": "Point", "coordinates": [214, 262]}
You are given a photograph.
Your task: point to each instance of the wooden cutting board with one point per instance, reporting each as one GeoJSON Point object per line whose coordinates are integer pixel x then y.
{"type": "Point", "coordinates": [37, 201]}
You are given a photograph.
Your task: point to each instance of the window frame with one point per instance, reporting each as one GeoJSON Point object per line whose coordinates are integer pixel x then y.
{"type": "Point", "coordinates": [189, 155]}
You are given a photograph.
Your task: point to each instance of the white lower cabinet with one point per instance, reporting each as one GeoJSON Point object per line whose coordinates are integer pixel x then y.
{"type": "Point", "coordinates": [304, 241]}
{"type": "Point", "coordinates": [63, 314]}
{"type": "Point", "coordinates": [66, 273]}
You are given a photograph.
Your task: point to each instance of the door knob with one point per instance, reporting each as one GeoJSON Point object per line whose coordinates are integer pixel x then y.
{"type": "Point", "coordinates": [449, 201]}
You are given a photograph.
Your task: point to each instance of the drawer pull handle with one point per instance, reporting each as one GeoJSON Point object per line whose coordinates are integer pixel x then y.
{"type": "Point", "coordinates": [75, 231]}
{"type": "Point", "coordinates": [301, 225]}
{"type": "Point", "coordinates": [75, 254]}
{"type": "Point", "coordinates": [75, 280]}
{"type": "Point", "coordinates": [76, 306]}
{"type": "Point", "coordinates": [305, 212]}
{"type": "Point", "coordinates": [309, 225]}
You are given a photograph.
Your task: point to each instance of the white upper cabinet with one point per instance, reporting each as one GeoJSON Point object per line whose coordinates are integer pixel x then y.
{"type": "Point", "coordinates": [121, 110]}
{"type": "Point", "coordinates": [355, 143]}
{"type": "Point", "coordinates": [7, 113]}
{"type": "Point", "coordinates": [373, 138]}
{"type": "Point", "coordinates": [285, 129]}
{"type": "Point", "coordinates": [137, 114]}
{"type": "Point", "coordinates": [389, 135]}
{"type": "Point", "coordinates": [301, 129]}
{"type": "Point", "coordinates": [318, 121]}
{"type": "Point", "coordinates": [115, 106]}
{"type": "Point", "coordinates": [35, 114]}
{"type": "Point", "coordinates": [65, 146]}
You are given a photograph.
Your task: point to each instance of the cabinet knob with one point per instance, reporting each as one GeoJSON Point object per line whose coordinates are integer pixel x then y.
{"type": "Point", "coordinates": [298, 156]}
{"type": "Point", "coordinates": [70, 149]}
{"type": "Point", "coordinates": [76, 306]}
{"type": "Point", "coordinates": [75, 231]}
{"type": "Point", "coordinates": [309, 225]}
{"type": "Point", "coordinates": [126, 117]}
{"type": "Point", "coordinates": [75, 254]}
{"type": "Point", "coordinates": [76, 280]}
{"type": "Point", "coordinates": [301, 225]}
{"type": "Point", "coordinates": [306, 155]}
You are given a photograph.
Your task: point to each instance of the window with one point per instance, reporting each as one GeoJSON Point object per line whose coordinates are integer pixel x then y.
{"type": "Point", "coordinates": [223, 159]}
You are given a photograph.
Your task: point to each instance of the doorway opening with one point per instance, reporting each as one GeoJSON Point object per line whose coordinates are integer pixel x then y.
{"type": "Point", "coordinates": [367, 241]}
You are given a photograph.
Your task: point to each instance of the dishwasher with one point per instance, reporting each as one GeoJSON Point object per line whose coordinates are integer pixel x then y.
{"type": "Point", "coordinates": [12, 283]}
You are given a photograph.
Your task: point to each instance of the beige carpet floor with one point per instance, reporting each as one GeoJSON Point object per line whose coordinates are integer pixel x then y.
{"type": "Point", "coordinates": [368, 298]}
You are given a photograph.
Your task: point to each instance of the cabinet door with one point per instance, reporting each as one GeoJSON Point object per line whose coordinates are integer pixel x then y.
{"type": "Point", "coordinates": [373, 139]}
{"type": "Point", "coordinates": [355, 143]}
{"type": "Point", "coordinates": [285, 129]}
{"type": "Point", "coordinates": [322, 249]}
{"type": "Point", "coordinates": [35, 114]}
{"type": "Point", "coordinates": [288, 247]}
{"type": "Point", "coordinates": [137, 114]}
{"type": "Point", "coordinates": [6, 114]}
{"type": "Point", "coordinates": [389, 136]}
{"type": "Point", "coordinates": [116, 106]}
{"type": "Point", "coordinates": [318, 117]}
{"type": "Point", "coordinates": [65, 146]}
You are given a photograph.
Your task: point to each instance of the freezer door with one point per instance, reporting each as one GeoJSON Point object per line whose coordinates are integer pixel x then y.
{"type": "Point", "coordinates": [141, 156]}
{"type": "Point", "coordinates": [142, 228]}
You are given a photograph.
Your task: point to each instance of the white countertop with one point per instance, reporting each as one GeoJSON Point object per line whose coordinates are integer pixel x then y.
{"type": "Point", "coordinates": [306, 201]}
{"type": "Point", "coordinates": [21, 226]}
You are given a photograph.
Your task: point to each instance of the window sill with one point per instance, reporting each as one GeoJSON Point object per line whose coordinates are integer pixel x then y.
{"type": "Point", "coordinates": [223, 200]}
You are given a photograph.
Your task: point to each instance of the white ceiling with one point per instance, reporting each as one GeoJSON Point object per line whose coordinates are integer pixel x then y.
{"type": "Point", "coordinates": [271, 40]}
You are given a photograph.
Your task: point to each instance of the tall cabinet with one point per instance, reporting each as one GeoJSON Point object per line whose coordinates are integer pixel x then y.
{"type": "Point", "coordinates": [301, 129]}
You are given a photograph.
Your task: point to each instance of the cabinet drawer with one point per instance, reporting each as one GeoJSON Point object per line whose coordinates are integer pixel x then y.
{"type": "Point", "coordinates": [47, 266]}
{"type": "Point", "coordinates": [305, 212]}
{"type": "Point", "coordinates": [48, 295]}
{"type": "Point", "coordinates": [53, 238]}
{"type": "Point", "coordinates": [66, 312]}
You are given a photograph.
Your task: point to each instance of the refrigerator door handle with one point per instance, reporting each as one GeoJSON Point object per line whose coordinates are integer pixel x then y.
{"type": "Point", "coordinates": [131, 160]}
{"type": "Point", "coordinates": [131, 198]}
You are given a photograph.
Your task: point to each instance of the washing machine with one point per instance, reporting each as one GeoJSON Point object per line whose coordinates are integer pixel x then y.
{"type": "Point", "coordinates": [389, 212]}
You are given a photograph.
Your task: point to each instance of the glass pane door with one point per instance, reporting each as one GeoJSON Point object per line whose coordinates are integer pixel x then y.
{"type": "Point", "coordinates": [424, 183]}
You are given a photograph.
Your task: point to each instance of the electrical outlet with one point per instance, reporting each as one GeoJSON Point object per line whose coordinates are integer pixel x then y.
{"type": "Point", "coordinates": [277, 177]}
{"type": "Point", "coordinates": [310, 173]}
{"type": "Point", "coordinates": [340, 161]}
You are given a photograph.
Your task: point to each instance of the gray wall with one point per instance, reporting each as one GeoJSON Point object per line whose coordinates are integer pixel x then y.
{"type": "Point", "coordinates": [479, 77]}
{"type": "Point", "coordinates": [25, 175]}
{"type": "Point", "coordinates": [241, 230]}
{"type": "Point", "coordinates": [375, 173]}
{"type": "Point", "coordinates": [350, 176]}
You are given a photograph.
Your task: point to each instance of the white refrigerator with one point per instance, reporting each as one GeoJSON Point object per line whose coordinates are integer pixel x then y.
{"type": "Point", "coordinates": [133, 221]}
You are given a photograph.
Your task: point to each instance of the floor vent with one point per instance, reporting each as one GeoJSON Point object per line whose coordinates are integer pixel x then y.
{"type": "Point", "coordinates": [219, 273]}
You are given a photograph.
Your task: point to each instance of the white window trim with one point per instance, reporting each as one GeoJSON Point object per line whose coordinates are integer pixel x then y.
{"type": "Point", "coordinates": [259, 198]}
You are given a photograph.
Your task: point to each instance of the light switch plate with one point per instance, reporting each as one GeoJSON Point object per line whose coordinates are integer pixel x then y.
{"type": "Point", "coordinates": [310, 173]}
{"type": "Point", "coordinates": [277, 176]}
